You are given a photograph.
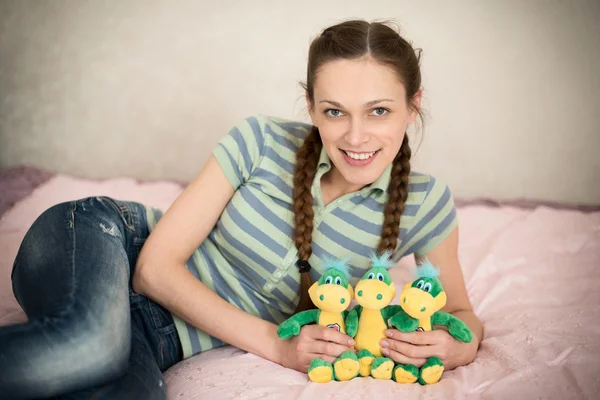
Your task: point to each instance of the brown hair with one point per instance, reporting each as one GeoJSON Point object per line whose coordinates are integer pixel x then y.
{"type": "Point", "coordinates": [353, 40]}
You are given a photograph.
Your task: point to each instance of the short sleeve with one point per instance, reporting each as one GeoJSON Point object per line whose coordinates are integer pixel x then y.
{"type": "Point", "coordinates": [239, 152]}
{"type": "Point", "coordinates": [435, 220]}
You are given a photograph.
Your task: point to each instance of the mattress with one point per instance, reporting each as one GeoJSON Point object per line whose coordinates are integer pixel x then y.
{"type": "Point", "coordinates": [532, 272]}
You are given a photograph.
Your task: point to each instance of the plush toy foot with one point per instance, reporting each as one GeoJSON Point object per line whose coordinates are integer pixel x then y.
{"type": "Point", "coordinates": [365, 358]}
{"type": "Point", "coordinates": [406, 373]}
{"type": "Point", "coordinates": [431, 372]}
{"type": "Point", "coordinates": [320, 371]}
{"type": "Point", "coordinates": [382, 368]}
{"type": "Point", "coordinates": [346, 366]}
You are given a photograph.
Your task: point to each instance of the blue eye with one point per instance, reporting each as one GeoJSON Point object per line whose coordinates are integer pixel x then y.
{"type": "Point", "coordinates": [379, 111]}
{"type": "Point", "coordinates": [420, 285]}
{"type": "Point", "coordinates": [427, 287]}
{"type": "Point", "coordinates": [380, 277]}
{"type": "Point", "coordinates": [328, 280]}
{"type": "Point", "coordinates": [332, 112]}
{"type": "Point", "coordinates": [338, 281]}
{"type": "Point", "coordinates": [371, 276]}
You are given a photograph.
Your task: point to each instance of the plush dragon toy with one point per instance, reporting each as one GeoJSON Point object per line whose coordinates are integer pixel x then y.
{"type": "Point", "coordinates": [332, 294]}
{"type": "Point", "coordinates": [374, 292]}
{"type": "Point", "coordinates": [421, 302]}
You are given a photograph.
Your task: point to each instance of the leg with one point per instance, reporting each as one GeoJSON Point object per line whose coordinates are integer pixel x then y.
{"type": "Point", "coordinates": [154, 347]}
{"type": "Point", "coordinates": [71, 276]}
{"type": "Point", "coordinates": [365, 358]}
{"type": "Point", "coordinates": [346, 367]}
{"type": "Point", "coordinates": [431, 371]}
{"type": "Point", "coordinates": [382, 368]}
{"type": "Point", "coordinates": [320, 371]}
{"type": "Point", "coordinates": [406, 373]}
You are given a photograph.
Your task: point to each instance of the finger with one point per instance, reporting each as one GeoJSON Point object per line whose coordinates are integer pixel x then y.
{"type": "Point", "coordinates": [410, 350]}
{"type": "Point", "coordinates": [329, 348]}
{"type": "Point", "coordinates": [429, 337]}
{"type": "Point", "coordinates": [402, 359]}
{"type": "Point", "coordinates": [329, 335]}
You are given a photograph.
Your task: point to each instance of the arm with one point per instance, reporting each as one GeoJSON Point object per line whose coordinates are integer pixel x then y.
{"type": "Point", "coordinates": [404, 322]}
{"type": "Point", "coordinates": [351, 319]}
{"type": "Point", "coordinates": [161, 275]}
{"type": "Point", "coordinates": [291, 326]}
{"type": "Point", "coordinates": [445, 256]}
{"type": "Point", "coordinates": [458, 329]}
{"type": "Point", "coordinates": [389, 311]}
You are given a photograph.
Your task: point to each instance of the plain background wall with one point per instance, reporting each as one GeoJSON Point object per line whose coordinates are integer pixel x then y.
{"type": "Point", "coordinates": [146, 88]}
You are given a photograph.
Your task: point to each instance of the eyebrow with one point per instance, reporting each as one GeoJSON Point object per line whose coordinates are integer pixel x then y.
{"type": "Point", "coordinates": [367, 104]}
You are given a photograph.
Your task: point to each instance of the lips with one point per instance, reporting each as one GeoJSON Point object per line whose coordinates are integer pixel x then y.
{"type": "Point", "coordinates": [361, 159]}
{"type": "Point", "coordinates": [361, 155]}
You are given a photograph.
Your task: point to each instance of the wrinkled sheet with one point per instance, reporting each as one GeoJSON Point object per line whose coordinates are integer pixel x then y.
{"type": "Point", "coordinates": [532, 275]}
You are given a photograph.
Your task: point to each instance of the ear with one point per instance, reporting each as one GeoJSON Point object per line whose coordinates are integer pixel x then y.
{"type": "Point", "coordinates": [417, 103]}
{"type": "Point", "coordinates": [351, 291]}
{"type": "Point", "coordinates": [309, 107]}
{"type": "Point", "coordinates": [440, 300]}
{"type": "Point", "coordinates": [393, 289]}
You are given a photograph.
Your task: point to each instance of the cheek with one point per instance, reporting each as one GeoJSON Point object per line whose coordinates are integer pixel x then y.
{"type": "Point", "coordinates": [331, 134]}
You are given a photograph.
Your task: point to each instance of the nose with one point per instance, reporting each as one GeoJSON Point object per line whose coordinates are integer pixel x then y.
{"type": "Point", "coordinates": [356, 134]}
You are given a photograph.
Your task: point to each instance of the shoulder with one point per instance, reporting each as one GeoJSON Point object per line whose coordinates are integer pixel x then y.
{"type": "Point", "coordinates": [425, 190]}
{"type": "Point", "coordinates": [285, 132]}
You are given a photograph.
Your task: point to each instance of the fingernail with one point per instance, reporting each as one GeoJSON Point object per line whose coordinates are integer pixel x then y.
{"type": "Point", "coordinates": [384, 343]}
{"type": "Point", "coordinates": [350, 342]}
{"type": "Point", "coordinates": [385, 352]}
{"type": "Point", "coordinates": [389, 333]}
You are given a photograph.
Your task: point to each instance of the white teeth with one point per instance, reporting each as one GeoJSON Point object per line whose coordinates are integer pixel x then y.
{"type": "Point", "coordinates": [361, 156]}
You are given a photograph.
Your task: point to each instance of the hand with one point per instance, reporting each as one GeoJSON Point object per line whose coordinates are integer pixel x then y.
{"type": "Point", "coordinates": [416, 347]}
{"type": "Point", "coordinates": [314, 341]}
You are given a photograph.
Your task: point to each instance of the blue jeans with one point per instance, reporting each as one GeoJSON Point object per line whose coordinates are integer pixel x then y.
{"type": "Point", "coordinates": [88, 334]}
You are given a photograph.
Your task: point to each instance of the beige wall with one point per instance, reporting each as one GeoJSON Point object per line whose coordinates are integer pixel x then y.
{"type": "Point", "coordinates": [146, 88]}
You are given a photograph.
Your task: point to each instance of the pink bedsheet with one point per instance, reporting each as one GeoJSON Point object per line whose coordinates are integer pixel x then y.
{"type": "Point", "coordinates": [532, 274]}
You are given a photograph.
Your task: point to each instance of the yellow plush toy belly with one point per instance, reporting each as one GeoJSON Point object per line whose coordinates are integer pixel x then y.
{"type": "Point", "coordinates": [370, 332]}
{"type": "Point", "coordinates": [332, 320]}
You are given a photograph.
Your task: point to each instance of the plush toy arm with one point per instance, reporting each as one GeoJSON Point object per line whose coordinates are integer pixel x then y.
{"type": "Point", "coordinates": [389, 311]}
{"type": "Point", "coordinates": [291, 326]}
{"type": "Point", "coordinates": [351, 319]}
{"type": "Point", "coordinates": [404, 322]}
{"type": "Point", "coordinates": [458, 329]}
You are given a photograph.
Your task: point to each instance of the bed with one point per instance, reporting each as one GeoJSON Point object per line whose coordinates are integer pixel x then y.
{"type": "Point", "coordinates": [532, 271]}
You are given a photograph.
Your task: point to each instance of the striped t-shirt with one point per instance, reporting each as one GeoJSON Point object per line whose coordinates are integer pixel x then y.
{"type": "Point", "coordinates": [249, 256]}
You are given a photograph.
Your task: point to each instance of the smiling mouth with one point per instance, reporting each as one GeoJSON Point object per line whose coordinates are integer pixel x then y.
{"type": "Point", "coordinates": [360, 156]}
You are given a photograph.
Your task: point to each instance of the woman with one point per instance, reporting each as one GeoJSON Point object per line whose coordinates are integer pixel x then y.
{"type": "Point", "coordinates": [110, 305]}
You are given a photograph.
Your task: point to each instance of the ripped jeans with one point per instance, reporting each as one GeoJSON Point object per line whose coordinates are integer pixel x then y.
{"type": "Point", "coordinates": [88, 334]}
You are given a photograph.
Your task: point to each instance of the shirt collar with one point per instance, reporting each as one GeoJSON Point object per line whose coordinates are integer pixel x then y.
{"type": "Point", "coordinates": [380, 183]}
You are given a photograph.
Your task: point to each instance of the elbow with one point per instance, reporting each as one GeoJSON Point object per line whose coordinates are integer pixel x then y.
{"type": "Point", "coordinates": [146, 275]}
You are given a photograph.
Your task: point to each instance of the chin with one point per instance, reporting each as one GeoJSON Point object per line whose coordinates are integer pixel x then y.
{"type": "Point", "coordinates": [362, 179]}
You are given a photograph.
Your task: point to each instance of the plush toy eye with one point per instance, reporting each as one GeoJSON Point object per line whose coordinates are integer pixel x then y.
{"type": "Point", "coordinates": [338, 281]}
{"type": "Point", "coordinates": [380, 277]}
{"type": "Point", "coordinates": [371, 276]}
{"type": "Point", "coordinates": [328, 280]}
{"type": "Point", "coordinates": [420, 285]}
{"type": "Point", "coordinates": [427, 287]}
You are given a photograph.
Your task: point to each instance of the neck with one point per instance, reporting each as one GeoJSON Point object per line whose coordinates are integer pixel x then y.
{"type": "Point", "coordinates": [334, 185]}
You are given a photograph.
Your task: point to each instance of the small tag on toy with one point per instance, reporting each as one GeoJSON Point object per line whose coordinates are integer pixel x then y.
{"type": "Point", "coordinates": [335, 327]}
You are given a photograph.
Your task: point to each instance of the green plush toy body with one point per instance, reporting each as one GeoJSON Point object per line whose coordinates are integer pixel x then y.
{"type": "Point", "coordinates": [420, 302]}
{"type": "Point", "coordinates": [332, 294]}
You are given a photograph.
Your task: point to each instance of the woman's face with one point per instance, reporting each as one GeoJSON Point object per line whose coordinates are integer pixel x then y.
{"type": "Point", "coordinates": [361, 111]}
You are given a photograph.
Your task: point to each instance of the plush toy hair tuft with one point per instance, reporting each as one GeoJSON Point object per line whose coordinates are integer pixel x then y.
{"type": "Point", "coordinates": [426, 269]}
{"type": "Point", "coordinates": [340, 265]}
{"type": "Point", "coordinates": [382, 261]}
